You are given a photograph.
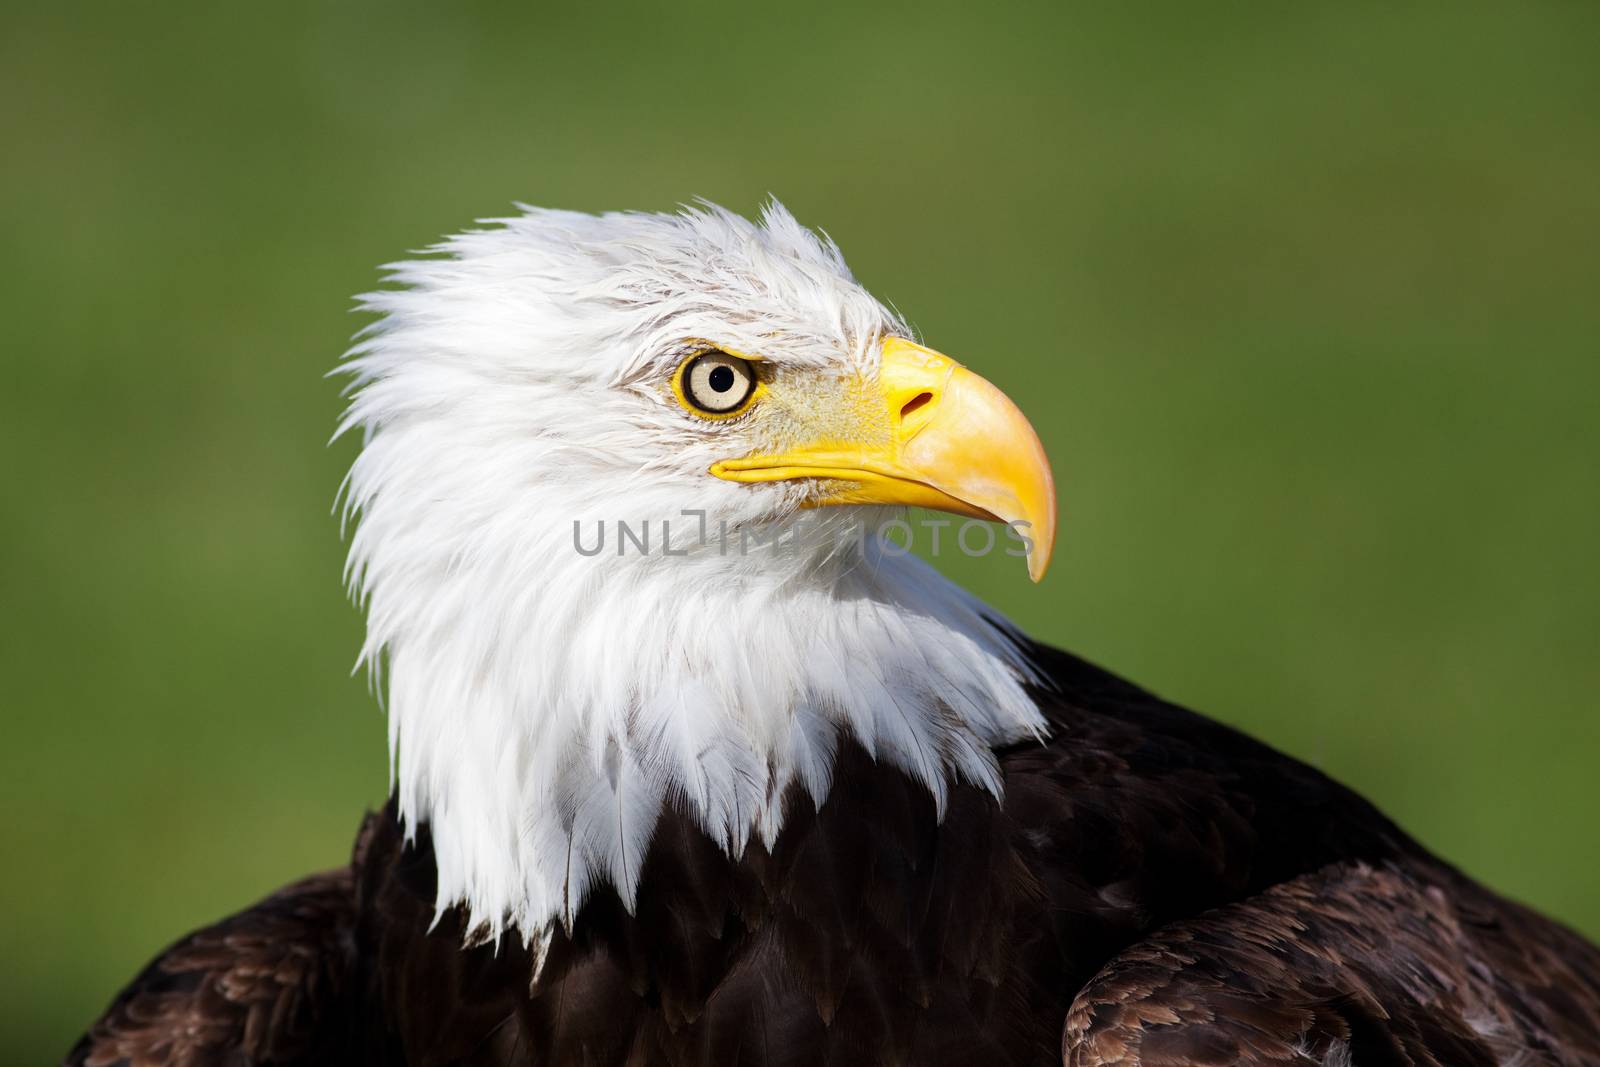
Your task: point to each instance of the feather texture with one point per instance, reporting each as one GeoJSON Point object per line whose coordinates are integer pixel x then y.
{"type": "Point", "coordinates": [1154, 889]}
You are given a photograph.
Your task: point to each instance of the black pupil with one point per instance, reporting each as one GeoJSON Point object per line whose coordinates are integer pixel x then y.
{"type": "Point", "coordinates": [720, 378]}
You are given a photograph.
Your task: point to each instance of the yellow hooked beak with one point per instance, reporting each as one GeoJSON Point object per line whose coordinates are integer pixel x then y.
{"type": "Point", "coordinates": [952, 442]}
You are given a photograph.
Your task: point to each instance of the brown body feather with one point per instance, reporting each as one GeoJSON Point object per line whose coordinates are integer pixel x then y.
{"type": "Point", "coordinates": [1155, 888]}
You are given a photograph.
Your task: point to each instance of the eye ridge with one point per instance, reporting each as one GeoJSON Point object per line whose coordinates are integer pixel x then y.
{"type": "Point", "coordinates": [716, 384]}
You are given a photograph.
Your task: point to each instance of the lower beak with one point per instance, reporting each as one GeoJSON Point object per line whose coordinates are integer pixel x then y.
{"type": "Point", "coordinates": [953, 443]}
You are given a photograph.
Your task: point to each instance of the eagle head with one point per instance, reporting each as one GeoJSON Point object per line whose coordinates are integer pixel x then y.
{"type": "Point", "coordinates": [617, 535]}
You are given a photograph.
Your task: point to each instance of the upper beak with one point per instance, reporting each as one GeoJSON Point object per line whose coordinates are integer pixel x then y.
{"type": "Point", "coordinates": [953, 443]}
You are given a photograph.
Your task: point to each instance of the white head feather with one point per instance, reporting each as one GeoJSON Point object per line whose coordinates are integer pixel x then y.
{"type": "Point", "coordinates": [545, 704]}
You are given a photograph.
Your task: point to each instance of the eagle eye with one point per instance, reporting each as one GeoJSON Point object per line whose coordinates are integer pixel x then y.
{"type": "Point", "coordinates": [716, 384]}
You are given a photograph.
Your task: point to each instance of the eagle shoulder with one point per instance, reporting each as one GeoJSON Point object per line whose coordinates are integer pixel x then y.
{"type": "Point", "coordinates": [264, 986]}
{"type": "Point", "coordinates": [1398, 963]}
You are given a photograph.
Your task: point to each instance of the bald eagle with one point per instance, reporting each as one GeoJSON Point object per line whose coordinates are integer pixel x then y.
{"type": "Point", "coordinates": [675, 784]}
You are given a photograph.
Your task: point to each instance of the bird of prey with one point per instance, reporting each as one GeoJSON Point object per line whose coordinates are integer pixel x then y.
{"type": "Point", "coordinates": [692, 766]}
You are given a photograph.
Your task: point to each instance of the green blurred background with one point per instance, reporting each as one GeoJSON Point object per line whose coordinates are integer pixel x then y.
{"type": "Point", "coordinates": [1302, 299]}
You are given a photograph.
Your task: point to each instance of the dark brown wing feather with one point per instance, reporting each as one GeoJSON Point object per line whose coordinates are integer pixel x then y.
{"type": "Point", "coordinates": [1398, 964]}
{"type": "Point", "coordinates": [1171, 891]}
{"type": "Point", "coordinates": [265, 986]}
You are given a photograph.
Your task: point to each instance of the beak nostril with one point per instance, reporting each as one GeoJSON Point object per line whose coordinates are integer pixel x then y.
{"type": "Point", "coordinates": [914, 403]}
